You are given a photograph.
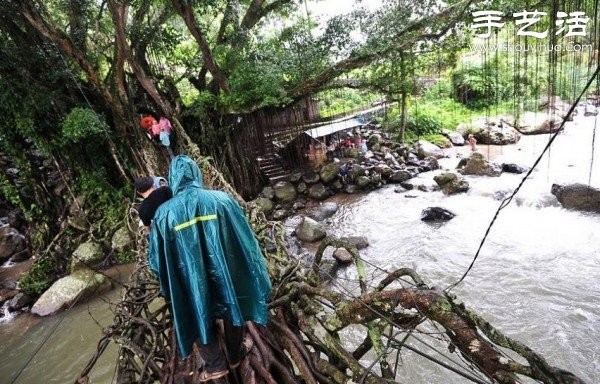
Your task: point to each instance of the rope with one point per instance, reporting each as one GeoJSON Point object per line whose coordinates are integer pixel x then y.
{"type": "Point", "coordinates": [508, 200]}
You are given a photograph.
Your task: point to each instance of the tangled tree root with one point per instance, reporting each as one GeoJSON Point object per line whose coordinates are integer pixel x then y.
{"type": "Point", "coordinates": [305, 340]}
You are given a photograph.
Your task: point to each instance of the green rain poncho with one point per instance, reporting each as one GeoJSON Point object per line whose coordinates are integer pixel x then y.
{"type": "Point", "coordinates": [206, 257]}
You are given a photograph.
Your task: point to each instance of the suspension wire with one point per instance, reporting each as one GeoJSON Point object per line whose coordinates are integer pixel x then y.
{"type": "Point", "coordinates": [508, 200]}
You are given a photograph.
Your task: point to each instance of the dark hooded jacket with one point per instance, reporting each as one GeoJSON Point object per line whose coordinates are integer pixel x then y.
{"type": "Point", "coordinates": [206, 257]}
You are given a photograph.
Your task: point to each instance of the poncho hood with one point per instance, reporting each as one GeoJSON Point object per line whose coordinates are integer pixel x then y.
{"type": "Point", "coordinates": [184, 173]}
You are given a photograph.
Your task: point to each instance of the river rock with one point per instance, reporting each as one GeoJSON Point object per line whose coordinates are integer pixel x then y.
{"type": "Point", "coordinates": [577, 196]}
{"type": "Point", "coordinates": [356, 171]}
{"type": "Point", "coordinates": [513, 168]}
{"type": "Point", "coordinates": [384, 170]}
{"type": "Point", "coordinates": [428, 164]}
{"type": "Point", "coordinates": [535, 123]}
{"type": "Point", "coordinates": [451, 183]}
{"type": "Point", "coordinates": [478, 165]}
{"type": "Point", "coordinates": [268, 192]}
{"type": "Point", "coordinates": [374, 139]}
{"type": "Point", "coordinates": [342, 256]}
{"type": "Point", "coordinates": [329, 172]}
{"type": "Point", "coordinates": [360, 242]}
{"type": "Point", "coordinates": [590, 110]}
{"type": "Point", "coordinates": [324, 211]}
{"type": "Point", "coordinates": [285, 191]}
{"type": "Point", "coordinates": [11, 243]}
{"type": "Point", "coordinates": [302, 187]}
{"type": "Point", "coordinates": [80, 285]}
{"type": "Point", "coordinates": [427, 149]}
{"type": "Point", "coordinates": [350, 189]}
{"type": "Point", "coordinates": [310, 231]}
{"type": "Point", "coordinates": [280, 214]}
{"type": "Point", "coordinates": [362, 182]}
{"type": "Point", "coordinates": [19, 301]}
{"type": "Point", "coordinates": [85, 255]}
{"type": "Point", "coordinates": [492, 130]}
{"type": "Point", "coordinates": [318, 192]}
{"type": "Point", "coordinates": [310, 177]}
{"type": "Point", "coordinates": [264, 204]}
{"type": "Point", "coordinates": [121, 240]}
{"type": "Point", "coordinates": [400, 176]}
{"type": "Point", "coordinates": [436, 214]}
{"type": "Point", "coordinates": [454, 137]}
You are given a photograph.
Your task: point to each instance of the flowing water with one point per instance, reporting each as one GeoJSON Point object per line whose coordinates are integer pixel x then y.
{"type": "Point", "coordinates": [64, 342]}
{"type": "Point", "coordinates": [536, 279]}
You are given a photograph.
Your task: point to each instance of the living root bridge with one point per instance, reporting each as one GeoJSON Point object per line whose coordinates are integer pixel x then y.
{"type": "Point", "coordinates": [305, 340]}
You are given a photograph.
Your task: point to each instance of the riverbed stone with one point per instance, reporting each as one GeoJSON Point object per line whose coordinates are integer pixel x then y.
{"type": "Point", "coordinates": [86, 254]}
{"type": "Point", "coordinates": [329, 172]}
{"type": "Point", "coordinates": [451, 183]}
{"type": "Point", "coordinates": [19, 301]}
{"type": "Point", "coordinates": [427, 149]}
{"type": "Point", "coordinates": [285, 191]}
{"type": "Point", "coordinates": [268, 192]}
{"type": "Point", "coordinates": [311, 177]}
{"type": "Point", "coordinates": [356, 171]}
{"type": "Point", "coordinates": [535, 123]}
{"type": "Point", "coordinates": [79, 286]}
{"type": "Point", "coordinates": [437, 214]}
{"type": "Point", "coordinates": [323, 211]}
{"type": "Point", "coordinates": [318, 192]}
{"type": "Point", "coordinates": [121, 240]}
{"type": "Point", "coordinates": [363, 182]}
{"type": "Point", "coordinates": [342, 256]}
{"type": "Point", "coordinates": [577, 196]}
{"type": "Point", "coordinates": [11, 243]}
{"type": "Point", "coordinates": [280, 214]}
{"type": "Point", "coordinates": [478, 165]}
{"type": "Point", "coordinates": [454, 137]}
{"type": "Point", "coordinates": [310, 231]}
{"type": "Point", "coordinates": [265, 205]}
{"type": "Point", "coordinates": [351, 189]}
{"type": "Point", "coordinates": [360, 242]}
{"type": "Point", "coordinates": [513, 168]}
{"type": "Point", "coordinates": [400, 176]}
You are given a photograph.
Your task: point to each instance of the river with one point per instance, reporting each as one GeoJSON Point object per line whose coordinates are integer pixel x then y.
{"type": "Point", "coordinates": [536, 279]}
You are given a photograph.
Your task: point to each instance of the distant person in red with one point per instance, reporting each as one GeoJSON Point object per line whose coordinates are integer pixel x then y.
{"type": "Point", "coordinates": [149, 123]}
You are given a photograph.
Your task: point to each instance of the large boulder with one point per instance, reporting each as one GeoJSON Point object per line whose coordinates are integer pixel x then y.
{"type": "Point", "coordinates": [513, 168]}
{"type": "Point", "coordinates": [86, 254]}
{"type": "Point", "coordinates": [121, 240]}
{"type": "Point", "coordinates": [451, 183]}
{"type": "Point", "coordinates": [80, 285]}
{"type": "Point", "coordinates": [362, 182]}
{"type": "Point", "coordinates": [360, 242]}
{"type": "Point", "coordinates": [264, 204]}
{"type": "Point", "coordinates": [11, 243]}
{"type": "Point", "coordinates": [478, 165]}
{"type": "Point", "coordinates": [535, 123]}
{"type": "Point", "coordinates": [310, 177]}
{"type": "Point", "coordinates": [577, 196]}
{"type": "Point", "coordinates": [496, 130]}
{"type": "Point", "coordinates": [318, 192]}
{"type": "Point", "coordinates": [329, 172]}
{"type": "Point", "coordinates": [285, 191]}
{"type": "Point", "coordinates": [427, 149]}
{"type": "Point", "coordinates": [268, 192]}
{"type": "Point", "coordinates": [310, 231]}
{"type": "Point", "coordinates": [356, 171]}
{"type": "Point", "coordinates": [454, 137]}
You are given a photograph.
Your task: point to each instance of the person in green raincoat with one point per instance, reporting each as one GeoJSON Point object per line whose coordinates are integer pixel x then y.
{"type": "Point", "coordinates": [209, 266]}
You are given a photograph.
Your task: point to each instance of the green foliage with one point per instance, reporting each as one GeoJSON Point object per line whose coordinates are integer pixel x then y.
{"type": "Point", "coordinates": [39, 278]}
{"type": "Point", "coordinates": [82, 124]}
{"type": "Point", "coordinates": [104, 204]}
{"type": "Point", "coordinates": [126, 257]}
{"type": "Point", "coordinates": [339, 101]}
{"type": "Point", "coordinates": [478, 86]}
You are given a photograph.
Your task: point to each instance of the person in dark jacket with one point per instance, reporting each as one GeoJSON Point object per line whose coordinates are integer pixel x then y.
{"type": "Point", "coordinates": [210, 266]}
{"type": "Point", "coordinates": [154, 194]}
